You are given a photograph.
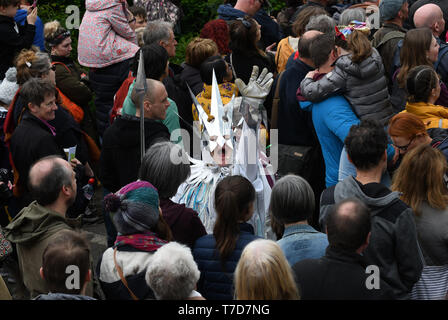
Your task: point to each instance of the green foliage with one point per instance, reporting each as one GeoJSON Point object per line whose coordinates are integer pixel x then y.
{"type": "Point", "coordinates": [195, 14]}
{"type": "Point", "coordinates": [52, 10]}
{"type": "Point", "coordinates": [277, 5]}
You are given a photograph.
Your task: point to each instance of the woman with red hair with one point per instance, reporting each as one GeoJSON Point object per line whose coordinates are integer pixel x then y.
{"type": "Point", "coordinates": [218, 31]}
{"type": "Point", "coordinates": [407, 132]}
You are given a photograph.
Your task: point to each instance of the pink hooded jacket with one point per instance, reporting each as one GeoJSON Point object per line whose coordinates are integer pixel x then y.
{"type": "Point", "coordinates": [105, 37]}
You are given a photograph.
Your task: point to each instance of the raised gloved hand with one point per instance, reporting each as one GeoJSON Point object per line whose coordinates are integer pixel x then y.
{"type": "Point", "coordinates": [258, 86]}
{"type": "Point", "coordinates": [254, 94]}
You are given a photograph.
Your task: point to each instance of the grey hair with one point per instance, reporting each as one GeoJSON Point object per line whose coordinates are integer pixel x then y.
{"type": "Point", "coordinates": [161, 171]}
{"type": "Point", "coordinates": [322, 23]}
{"type": "Point", "coordinates": [157, 30]}
{"type": "Point", "coordinates": [172, 273]}
{"type": "Point", "coordinates": [41, 63]}
{"type": "Point", "coordinates": [292, 199]}
{"type": "Point", "coordinates": [349, 15]}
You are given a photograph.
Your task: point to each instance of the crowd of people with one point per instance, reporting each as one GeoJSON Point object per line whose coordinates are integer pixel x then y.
{"type": "Point", "coordinates": [302, 156]}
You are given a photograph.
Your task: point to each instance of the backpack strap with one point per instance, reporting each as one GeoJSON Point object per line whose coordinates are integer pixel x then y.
{"type": "Point", "coordinates": [389, 36]}
{"type": "Point", "coordinates": [123, 279]}
{"type": "Point", "coordinates": [62, 64]}
{"type": "Point", "coordinates": [275, 102]}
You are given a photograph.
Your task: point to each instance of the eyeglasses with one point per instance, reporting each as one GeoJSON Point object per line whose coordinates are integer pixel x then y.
{"type": "Point", "coordinates": [245, 22]}
{"type": "Point", "coordinates": [404, 148]}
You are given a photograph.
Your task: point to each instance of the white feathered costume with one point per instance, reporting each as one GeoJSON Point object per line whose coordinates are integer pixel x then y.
{"type": "Point", "coordinates": [218, 132]}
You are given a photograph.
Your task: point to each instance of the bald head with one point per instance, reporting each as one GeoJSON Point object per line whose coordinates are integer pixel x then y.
{"type": "Point", "coordinates": [348, 225]}
{"type": "Point", "coordinates": [308, 35]}
{"type": "Point", "coordinates": [305, 43]}
{"type": "Point", "coordinates": [153, 87]}
{"type": "Point", "coordinates": [47, 177]}
{"type": "Point", "coordinates": [431, 16]}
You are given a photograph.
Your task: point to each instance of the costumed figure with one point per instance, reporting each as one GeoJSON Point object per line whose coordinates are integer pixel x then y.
{"type": "Point", "coordinates": [230, 146]}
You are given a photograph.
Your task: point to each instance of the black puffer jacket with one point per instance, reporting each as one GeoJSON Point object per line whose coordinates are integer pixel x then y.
{"type": "Point", "coordinates": [363, 84]}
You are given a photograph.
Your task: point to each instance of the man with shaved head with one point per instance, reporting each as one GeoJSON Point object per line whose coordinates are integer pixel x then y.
{"type": "Point", "coordinates": [431, 16]}
{"type": "Point", "coordinates": [52, 183]}
{"type": "Point", "coordinates": [120, 156]}
{"type": "Point", "coordinates": [415, 5]}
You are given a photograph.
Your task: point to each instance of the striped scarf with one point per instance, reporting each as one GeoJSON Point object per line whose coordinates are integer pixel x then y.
{"type": "Point", "coordinates": [147, 242]}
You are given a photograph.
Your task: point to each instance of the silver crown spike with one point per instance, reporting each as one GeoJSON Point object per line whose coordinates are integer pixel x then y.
{"type": "Point", "coordinates": [141, 88]}
{"type": "Point", "coordinates": [216, 108]}
{"type": "Point", "coordinates": [203, 117]}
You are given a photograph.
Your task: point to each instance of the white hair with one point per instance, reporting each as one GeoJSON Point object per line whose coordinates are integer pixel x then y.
{"type": "Point", "coordinates": [172, 273]}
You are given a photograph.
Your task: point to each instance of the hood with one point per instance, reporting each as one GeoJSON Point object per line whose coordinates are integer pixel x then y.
{"type": "Point", "coordinates": [189, 71]}
{"type": "Point", "coordinates": [349, 188]}
{"type": "Point", "coordinates": [174, 213]}
{"type": "Point", "coordinates": [127, 131]}
{"type": "Point", "coordinates": [98, 5]}
{"type": "Point", "coordinates": [33, 223]}
{"type": "Point", "coordinates": [62, 296]}
{"type": "Point", "coordinates": [20, 16]}
{"type": "Point", "coordinates": [227, 12]}
{"type": "Point", "coordinates": [368, 68]}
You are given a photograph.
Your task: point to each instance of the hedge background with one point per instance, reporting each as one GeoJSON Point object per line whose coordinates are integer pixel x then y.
{"type": "Point", "coordinates": [196, 14]}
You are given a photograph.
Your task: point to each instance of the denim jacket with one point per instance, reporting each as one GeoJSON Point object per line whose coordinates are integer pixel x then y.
{"type": "Point", "coordinates": [302, 242]}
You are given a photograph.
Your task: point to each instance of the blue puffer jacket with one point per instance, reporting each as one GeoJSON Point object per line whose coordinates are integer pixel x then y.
{"type": "Point", "coordinates": [214, 283]}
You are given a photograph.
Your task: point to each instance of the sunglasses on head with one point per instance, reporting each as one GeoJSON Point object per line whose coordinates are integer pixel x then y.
{"type": "Point", "coordinates": [245, 22]}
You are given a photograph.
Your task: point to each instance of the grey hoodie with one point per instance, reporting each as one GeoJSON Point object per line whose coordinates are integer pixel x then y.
{"type": "Point", "coordinates": [363, 84]}
{"type": "Point", "coordinates": [393, 245]}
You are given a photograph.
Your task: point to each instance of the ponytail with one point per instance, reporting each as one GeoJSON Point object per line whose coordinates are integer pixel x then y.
{"type": "Point", "coordinates": [360, 46]}
{"type": "Point", "coordinates": [233, 196]}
